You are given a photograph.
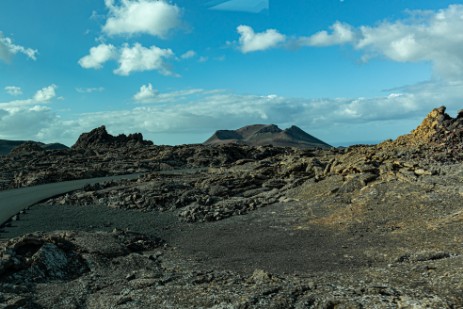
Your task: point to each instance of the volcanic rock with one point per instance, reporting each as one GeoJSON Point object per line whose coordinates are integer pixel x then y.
{"type": "Point", "coordinates": [260, 134]}
{"type": "Point", "coordinates": [437, 127]}
{"type": "Point", "coordinates": [100, 138]}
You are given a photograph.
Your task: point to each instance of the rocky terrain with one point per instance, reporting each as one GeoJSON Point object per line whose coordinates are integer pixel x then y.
{"type": "Point", "coordinates": [238, 226]}
{"type": "Point", "coordinates": [98, 153]}
{"type": "Point", "coordinates": [261, 135]}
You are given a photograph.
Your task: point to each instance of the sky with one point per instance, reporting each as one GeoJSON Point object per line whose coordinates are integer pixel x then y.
{"type": "Point", "coordinates": [345, 71]}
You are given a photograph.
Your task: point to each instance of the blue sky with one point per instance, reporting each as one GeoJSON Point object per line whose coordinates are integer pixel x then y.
{"type": "Point", "coordinates": [346, 71]}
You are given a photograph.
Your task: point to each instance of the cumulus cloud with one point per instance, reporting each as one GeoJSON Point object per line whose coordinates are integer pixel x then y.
{"type": "Point", "coordinates": [8, 48]}
{"type": "Point", "coordinates": [434, 37]}
{"type": "Point", "coordinates": [154, 17]}
{"type": "Point", "coordinates": [430, 36]}
{"type": "Point", "coordinates": [42, 96]}
{"type": "Point", "coordinates": [251, 41]}
{"type": "Point", "coordinates": [97, 56]}
{"type": "Point", "coordinates": [425, 36]}
{"type": "Point", "coordinates": [45, 94]}
{"type": "Point", "coordinates": [146, 93]}
{"type": "Point", "coordinates": [130, 17]}
{"type": "Point", "coordinates": [131, 59]}
{"type": "Point", "coordinates": [139, 58]}
{"type": "Point", "coordinates": [340, 34]}
{"type": "Point", "coordinates": [13, 90]}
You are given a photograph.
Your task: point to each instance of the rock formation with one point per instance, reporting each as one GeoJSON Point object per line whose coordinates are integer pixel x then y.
{"type": "Point", "coordinates": [100, 138]}
{"type": "Point", "coordinates": [439, 137]}
{"type": "Point", "coordinates": [438, 127]}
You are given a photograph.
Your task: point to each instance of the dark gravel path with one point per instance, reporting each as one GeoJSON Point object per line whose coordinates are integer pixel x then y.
{"type": "Point", "coordinates": [13, 201]}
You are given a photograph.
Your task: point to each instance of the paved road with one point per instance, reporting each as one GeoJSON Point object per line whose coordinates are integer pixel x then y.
{"type": "Point", "coordinates": [13, 201]}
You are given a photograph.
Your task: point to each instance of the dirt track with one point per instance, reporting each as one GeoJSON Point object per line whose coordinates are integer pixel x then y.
{"type": "Point", "coordinates": [13, 201]}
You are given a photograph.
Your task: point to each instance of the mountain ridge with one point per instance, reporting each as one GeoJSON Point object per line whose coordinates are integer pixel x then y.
{"type": "Point", "coordinates": [6, 146]}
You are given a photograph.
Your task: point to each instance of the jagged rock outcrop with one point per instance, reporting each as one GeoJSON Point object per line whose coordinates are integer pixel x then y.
{"type": "Point", "coordinates": [100, 138]}
{"type": "Point", "coordinates": [438, 127]}
{"type": "Point", "coordinates": [439, 138]}
{"type": "Point", "coordinates": [260, 134]}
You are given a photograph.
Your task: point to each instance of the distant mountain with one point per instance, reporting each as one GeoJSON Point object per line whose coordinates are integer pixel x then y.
{"type": "Point", "coordinates": [6, 146]}
{"type": "Point", "coordinates": [261, 134]}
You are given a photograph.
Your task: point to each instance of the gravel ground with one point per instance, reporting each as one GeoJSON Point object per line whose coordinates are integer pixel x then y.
{"type": "Point", "coordinates": [47, 218]}
{"type": "Point", "coordinates": [267, 239]}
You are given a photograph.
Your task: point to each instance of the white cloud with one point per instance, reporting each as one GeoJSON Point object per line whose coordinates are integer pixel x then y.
{"type": "Point", "coordinates": [98, 56]}
{"type": "Point", "coordinates": [13, 90]}
{"type": "Point", "coordinates": [189, 54]}
{"type": "Point", "coordinates": [154, 17]}
{"type": "Point", "coordinates": [150, 95]}
{"type": "Point", "coordinates": [146, 93]}
{"type": "Point", "coordinates": [23, 119]}
{"type": "Point", "coordinates": [429, 36]}
{"type": "Point", "coordinates": [130, 59]}
{"type": "Point", "coordinates": [8, 48]}
{"type": "Point", "coordinates": [251, 41]}
{"type": "Point", "coordinates": [90, 90]}
{"type": "Point", "coordinates": [42, 96]}
{"type": "Point", "coordinates": [340, 34]}
{"type": "Point", "coordinates": [139, 58]}
{"type": "Point", "coordinates": [45, 94]}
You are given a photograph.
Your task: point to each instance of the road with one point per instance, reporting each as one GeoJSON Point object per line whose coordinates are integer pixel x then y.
{"type": "Point", "coordinates": [13, 201]}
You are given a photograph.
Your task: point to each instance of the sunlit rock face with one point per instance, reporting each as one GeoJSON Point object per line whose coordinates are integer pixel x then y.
{"type": "Point", "coordinates": [437, 127]}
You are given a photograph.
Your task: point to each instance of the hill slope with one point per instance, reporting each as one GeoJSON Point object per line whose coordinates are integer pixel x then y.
{"type": "Point", "coordinates": [6, 146]}
{"type": "Point", "coordinates": [261, 134]}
